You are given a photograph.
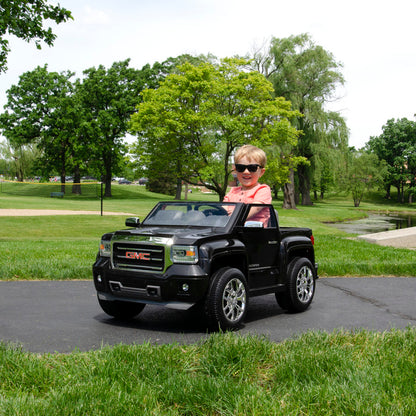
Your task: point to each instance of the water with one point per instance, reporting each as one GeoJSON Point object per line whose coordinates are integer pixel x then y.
{"type": "Point", "coordinates": [377, 223]}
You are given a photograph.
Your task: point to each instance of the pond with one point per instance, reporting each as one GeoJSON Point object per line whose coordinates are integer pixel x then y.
{"type": "Point", "coordinates": [376, 223]}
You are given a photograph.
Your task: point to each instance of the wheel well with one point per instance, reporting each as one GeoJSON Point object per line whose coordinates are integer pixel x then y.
{"type": "Point", "coordinates": [309, 254]}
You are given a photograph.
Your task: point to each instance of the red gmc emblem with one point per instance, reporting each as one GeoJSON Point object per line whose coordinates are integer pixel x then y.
{"type": "Point", "coordinates": [138, 256]}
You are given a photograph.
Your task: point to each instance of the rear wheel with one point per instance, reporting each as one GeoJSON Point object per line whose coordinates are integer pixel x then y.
{"type": "Point", "coordinates": [300, 286]}
{"type": "Point", "coordinates": [121, 310]}
{"type": "Point", "coordinates": [227, 300]}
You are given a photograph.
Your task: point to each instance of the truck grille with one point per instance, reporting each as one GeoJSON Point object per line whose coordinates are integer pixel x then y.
{"type": "Point", "coordinates": [143, 257]}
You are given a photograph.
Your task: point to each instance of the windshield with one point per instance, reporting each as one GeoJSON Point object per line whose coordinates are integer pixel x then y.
{"type": "Point", "coordinates": [201, 214]}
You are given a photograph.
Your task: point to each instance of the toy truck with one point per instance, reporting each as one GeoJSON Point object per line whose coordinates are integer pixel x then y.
{"type": "Point", "coordinates": [206, 254]}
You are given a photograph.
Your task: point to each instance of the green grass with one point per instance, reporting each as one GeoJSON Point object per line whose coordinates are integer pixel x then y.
{"type": "Point", "coordinates": [340, 256]}
{"type": "Point", "coordinates": [64, 247]}
{"type": "Point", "coordinates": [134, 199]}
{"type": "Point", "coordinates": [342, 373]}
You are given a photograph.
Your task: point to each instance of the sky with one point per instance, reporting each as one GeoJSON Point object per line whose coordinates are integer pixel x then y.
{"type": "Point", "coordinates": [373, 40]}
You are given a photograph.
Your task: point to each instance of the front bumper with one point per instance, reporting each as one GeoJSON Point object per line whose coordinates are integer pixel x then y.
{"type": "Point", "coordinates": [180, 287]}
{"type": "Point", "coordinates": [170, 304]}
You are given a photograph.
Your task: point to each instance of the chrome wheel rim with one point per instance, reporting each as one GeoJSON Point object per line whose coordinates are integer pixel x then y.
{"type": "Point", "coordinates": [305, 284]}
{"type": "Point", "coordinates": [234, 300]}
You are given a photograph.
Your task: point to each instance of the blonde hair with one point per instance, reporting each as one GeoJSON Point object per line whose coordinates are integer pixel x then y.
{"type": "Point", "coordinates": [252, 153]}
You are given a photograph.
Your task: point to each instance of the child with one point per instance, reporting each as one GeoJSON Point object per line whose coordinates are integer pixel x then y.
{"type": "Point", "coordinates": [249, 163]}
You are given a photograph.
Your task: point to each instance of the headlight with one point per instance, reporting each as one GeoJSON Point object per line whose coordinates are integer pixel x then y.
{"type": "Point", "coordinates": [105, 248]}
{"type": "Point", "coordinates": [184, 254]}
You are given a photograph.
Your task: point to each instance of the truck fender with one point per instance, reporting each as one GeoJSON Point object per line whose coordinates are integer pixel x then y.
{"type": "Point", "coordinates": [295, 246]}
{"type": "Point", "coordinates": [224, 252]}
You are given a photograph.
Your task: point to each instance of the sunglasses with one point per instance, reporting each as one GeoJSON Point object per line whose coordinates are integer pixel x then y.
{"type": "Point", "coordinates": [251, 168]}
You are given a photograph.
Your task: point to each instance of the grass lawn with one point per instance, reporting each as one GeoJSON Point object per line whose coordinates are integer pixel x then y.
{"type": "Point", "coordinates": [341, 373]}
{"type": "Point", "coordinates": [64, 247]}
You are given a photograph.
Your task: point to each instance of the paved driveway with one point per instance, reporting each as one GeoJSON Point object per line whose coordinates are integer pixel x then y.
{"type": "Point", "coordinates": [64, 315]}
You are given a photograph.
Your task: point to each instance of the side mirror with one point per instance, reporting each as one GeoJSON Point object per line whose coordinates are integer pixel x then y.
{"type": "Point", "coordinates": [254, 224]}
{"type": "Point", "coordinates": [133, 222]}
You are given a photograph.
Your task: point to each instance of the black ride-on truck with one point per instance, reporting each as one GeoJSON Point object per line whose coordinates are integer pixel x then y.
{"type": "Point", "coordinates": [206, 254]}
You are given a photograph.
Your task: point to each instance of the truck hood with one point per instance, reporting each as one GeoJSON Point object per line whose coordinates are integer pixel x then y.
{"type": "Point", "coordinates": [175, 235]}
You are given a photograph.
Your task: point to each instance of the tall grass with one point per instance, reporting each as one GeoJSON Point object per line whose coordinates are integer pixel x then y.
{"type": "Point", "coordinates": [342, 373]}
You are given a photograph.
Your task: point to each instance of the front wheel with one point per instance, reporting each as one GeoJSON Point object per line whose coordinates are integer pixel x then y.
{"type": "Point", "coordinates": [121, 310]}
{"type": "Point", "coordinates": [300, 286]}
{"type": "Point", "coordinates": [227, 300]}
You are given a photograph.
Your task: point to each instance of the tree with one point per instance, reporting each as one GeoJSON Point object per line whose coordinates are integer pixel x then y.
{"type": "Point", "coordinates": [397, 146]}
{"type": "Point", "coordinates": [40, 111]}
{"type": "Point", "coordinates": [330, 153]}
{"type": "Point", "coordinates": [364, 172]}
{"type": "Point", "coordinates": [307, 75]}
{"type": "Point", "coordinates": [161, 178]}
{"type": "Point", "coordinates": [19, 160]}
{"type": "Point", "coordinates": [108, 98]}
{"type": "Point", "coordinates": [198, 116]}
{"type": "Point", "coordinates": [25, 19]}
{"type": "Point", "coordinates": [281, 166]}
{"type": "Point", "coordinates": [155, 74]}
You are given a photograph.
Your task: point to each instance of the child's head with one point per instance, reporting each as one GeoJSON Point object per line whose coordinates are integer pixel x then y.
{"type": "Point", "coordinates": [252, 154]}
{"type": "Point", "coordinates": [249, 163]}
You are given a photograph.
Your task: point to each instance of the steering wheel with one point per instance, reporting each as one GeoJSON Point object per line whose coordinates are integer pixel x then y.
{"type": "Point", "coordinates": [214, 210]}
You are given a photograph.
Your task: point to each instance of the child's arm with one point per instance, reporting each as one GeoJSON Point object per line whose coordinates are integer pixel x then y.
{"type": "Point", "coordinates": [262, 196]}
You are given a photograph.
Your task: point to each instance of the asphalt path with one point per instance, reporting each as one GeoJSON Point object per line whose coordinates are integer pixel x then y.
{"type": "Point", "coordinates": [64, 316]}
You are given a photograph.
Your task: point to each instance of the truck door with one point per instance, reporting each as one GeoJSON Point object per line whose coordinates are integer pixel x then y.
{"type": "Point", "coordinates": [260, 234]}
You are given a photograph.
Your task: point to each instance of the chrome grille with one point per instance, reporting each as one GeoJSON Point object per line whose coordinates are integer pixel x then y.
{"type": "Point", "coordinates": [143, 257]}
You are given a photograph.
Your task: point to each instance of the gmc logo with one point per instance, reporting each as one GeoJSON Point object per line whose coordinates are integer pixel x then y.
{"type": "Point", "coordinates": [137, 256]}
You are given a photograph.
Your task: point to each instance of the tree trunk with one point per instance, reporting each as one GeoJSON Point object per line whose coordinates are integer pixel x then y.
{"type": "Point", "coordinates": [178, 189]}
{"type": "Point", "coordinates": [275, 191]}
{"type": "Point", "coordinates": [19, 172]}
{"type": "Point", "coordinates": [107, 175]}
{"type": "Point", "coordinates": [388, 195]}
{"type": "Point", "coordinates": [63, 179]}
{"type": "Point", "coordinates": [76, 187]}
{"type": "Point", "coordinates": [289, 192]}
{"type": "Point", "coordinates": [186, 190]}
{"type": "Point", "coordinates": [63, 169]}
{"type": "Point", "coordinates": [107, 184]}
{"type": "Point", "coordinates": [304, 185]}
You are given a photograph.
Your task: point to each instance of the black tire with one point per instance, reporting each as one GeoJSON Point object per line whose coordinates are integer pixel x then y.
{"type": "Point", "coordinates": [300, 288]}
{"type": "Point", "coordinates": [121, 310]}
{"type": "Point", "coordinates": [227, 300]}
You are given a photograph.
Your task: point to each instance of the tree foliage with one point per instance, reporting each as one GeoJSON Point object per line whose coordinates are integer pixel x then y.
{"type": "Point", "coordinates": [364, 172]}
{"type": "Point", "coordinates": [197, 117]}
{"type": "Point", "coordinates": [76, 125]}
{"type": "Point", "coordinates": [18, 161]}
{"type": "Point", "coordinates": [25, 19]}
{"type": "Point", "coordinates": [79, 127]}
{"type": "Point", "coordinates": [108, 98]}
{"type": "Point", "coordinates": [397, 147]}
{"type": "Point", "coordinates": [40, 111]}
{"type": "Point", "coordinates": [307, 75]}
